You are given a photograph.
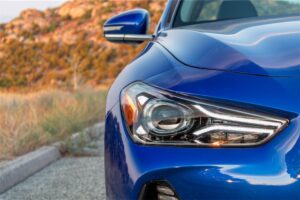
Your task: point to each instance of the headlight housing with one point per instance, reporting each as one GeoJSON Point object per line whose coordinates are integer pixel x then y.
{"type": "Point", "coordinates": [157, 117]}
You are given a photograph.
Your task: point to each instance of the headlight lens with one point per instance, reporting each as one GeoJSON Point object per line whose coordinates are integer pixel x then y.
{"type": "Point", "coordinates": [158, 117]}
{"type": "Point", "coordinates": [165, 118]}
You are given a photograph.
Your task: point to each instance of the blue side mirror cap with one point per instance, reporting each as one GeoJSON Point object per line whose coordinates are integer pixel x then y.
{"type": "Point", "coordinates": [128, 27]}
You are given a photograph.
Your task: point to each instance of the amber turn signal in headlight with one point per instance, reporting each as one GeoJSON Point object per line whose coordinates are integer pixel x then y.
{"type": "Point", "coordinates": [157, 117]}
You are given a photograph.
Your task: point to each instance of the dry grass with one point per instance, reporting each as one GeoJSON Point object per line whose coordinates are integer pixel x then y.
{"type": "Point", "coordinates": [28, 121]}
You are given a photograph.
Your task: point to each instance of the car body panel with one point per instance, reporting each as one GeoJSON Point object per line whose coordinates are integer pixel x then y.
{"type": "Point", "coordinates": [267, 171]}
{"type": "Point", "coordinates": [270, 171]}
{"type": "Point", "coordinates": [168, 73]}
{"type": "Point", "coordinates": [269, 47]}
{"type": "Point", "coordinates": [213, 62]}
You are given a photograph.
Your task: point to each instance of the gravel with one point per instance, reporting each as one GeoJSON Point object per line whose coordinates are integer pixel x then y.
{"type": "Point", "coordinates": [66, 179]}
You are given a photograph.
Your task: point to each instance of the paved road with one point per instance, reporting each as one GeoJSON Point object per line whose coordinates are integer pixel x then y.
{"type": "Point", "coordinates": [66, 179]}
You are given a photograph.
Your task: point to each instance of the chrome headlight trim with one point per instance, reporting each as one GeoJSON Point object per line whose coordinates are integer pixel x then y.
{"type": "Point", "coordinates": [202, 119]}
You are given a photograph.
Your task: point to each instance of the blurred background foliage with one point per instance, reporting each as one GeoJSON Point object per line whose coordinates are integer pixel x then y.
{"type": "Point", "coordinates": [30, 120]}
{"type": "Point", "coordinates": [55, 67]}
{"type": "Point", "coordinates": [64, 47]}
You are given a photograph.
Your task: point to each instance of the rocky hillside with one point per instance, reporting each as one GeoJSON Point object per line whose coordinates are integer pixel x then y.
{"type": "Point", "coordinates": [64, 46]}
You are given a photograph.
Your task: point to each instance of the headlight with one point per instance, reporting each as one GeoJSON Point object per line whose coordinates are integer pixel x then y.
{"type": "Point", "coordinates": [158, 117]}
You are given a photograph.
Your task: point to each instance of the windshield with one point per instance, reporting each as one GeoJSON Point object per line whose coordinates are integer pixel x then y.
{"type": "Point", "coordinates": [202, 11]}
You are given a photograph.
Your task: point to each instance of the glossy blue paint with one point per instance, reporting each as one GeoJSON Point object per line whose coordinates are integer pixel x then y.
{"type": "Point", "coordinates": [130, 22]}
{"type": "Point", "coordinates": [261, 172]}
{"type": "Point", "coordinates": [269, 47]}
{"type": "Point", "coordinates": [265, 172]}
{"type": "Point", "coordinates": [221, 73]}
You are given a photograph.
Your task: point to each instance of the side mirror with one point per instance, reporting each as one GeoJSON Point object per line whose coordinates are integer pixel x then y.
{"type": "Point", "coordinates": [128, 27]}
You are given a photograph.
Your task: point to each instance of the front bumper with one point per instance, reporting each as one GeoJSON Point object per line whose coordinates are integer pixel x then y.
{"type": "Point", "coordinates": [268, 171]}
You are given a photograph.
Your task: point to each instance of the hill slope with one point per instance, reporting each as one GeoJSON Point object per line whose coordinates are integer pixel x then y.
{"type": "Point", "coordinates": [64, 46]}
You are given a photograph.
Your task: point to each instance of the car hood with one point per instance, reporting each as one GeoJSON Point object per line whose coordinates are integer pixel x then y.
{"type": "Point", "coordinates": [269, 47]}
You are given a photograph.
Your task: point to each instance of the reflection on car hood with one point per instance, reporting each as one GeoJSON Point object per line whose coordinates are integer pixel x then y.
{"type": "Point", "coordinates": [269, 47]}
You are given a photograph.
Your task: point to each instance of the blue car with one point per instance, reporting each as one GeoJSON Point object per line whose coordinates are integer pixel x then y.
{"type": "Point", "coordinates": [210, 109]}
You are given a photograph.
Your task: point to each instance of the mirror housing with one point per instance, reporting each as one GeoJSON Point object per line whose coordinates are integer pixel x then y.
{"type": "Point", "coordinates": [128, 27]}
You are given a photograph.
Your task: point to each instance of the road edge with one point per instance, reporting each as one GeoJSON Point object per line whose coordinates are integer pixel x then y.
{"type": "Point", "coordinates": [19, 169]}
